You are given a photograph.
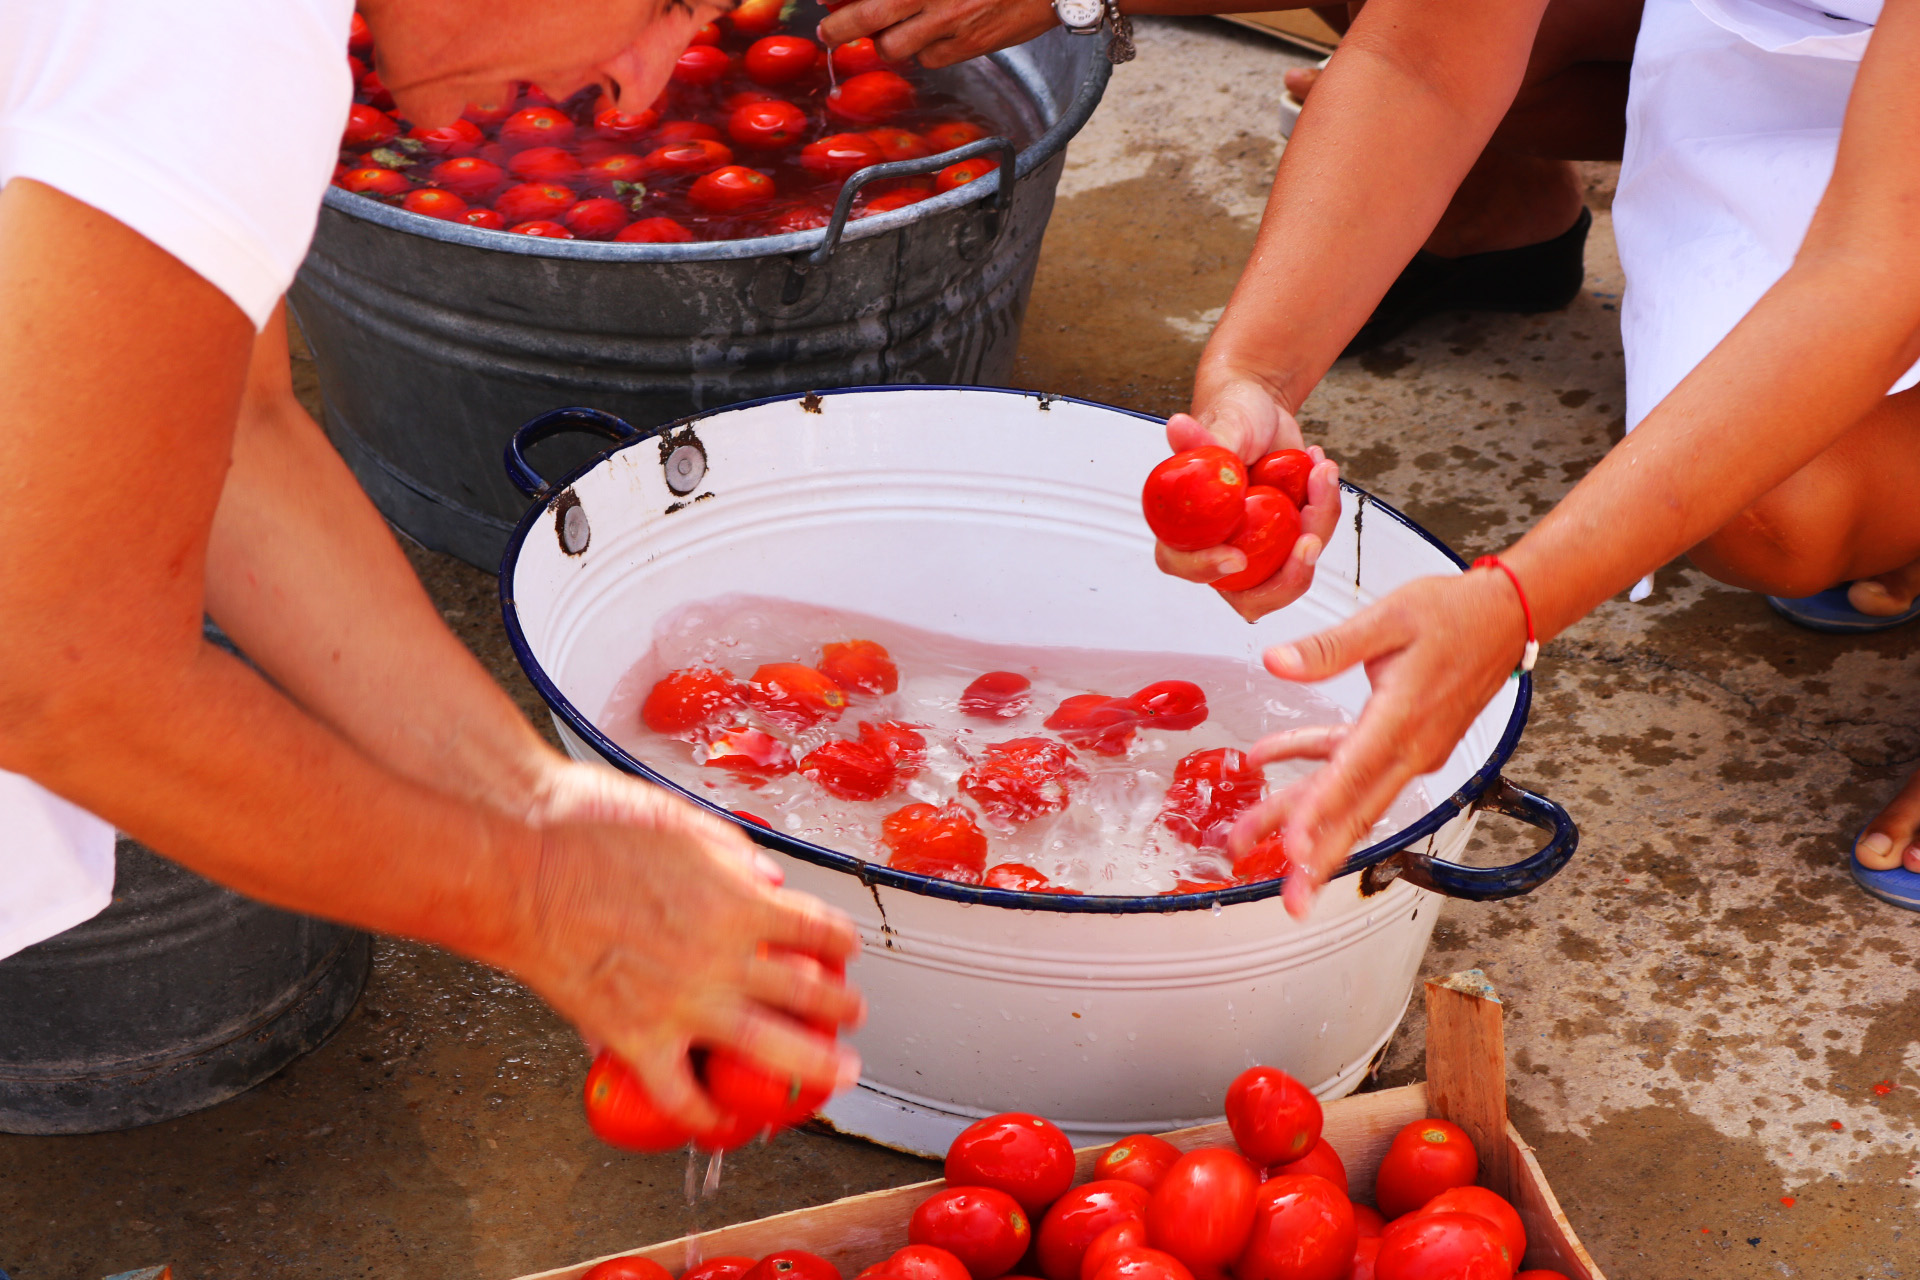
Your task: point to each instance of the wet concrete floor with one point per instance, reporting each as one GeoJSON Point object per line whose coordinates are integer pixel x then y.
{"type": "Point", "coordinates": [1710, 1031]}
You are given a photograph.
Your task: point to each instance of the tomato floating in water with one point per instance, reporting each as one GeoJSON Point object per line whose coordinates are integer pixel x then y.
{"type": "Point", "coordinates": [754, 818]}
{"type": "Point", "coordinates": [1443, 1246]}
{"type": "Point", "coordinates": [484, 218]}
{"type": "Point", "coordinates": [1202, 1210]}
{"type": "Point", "coordinates": [621, 1112]}
{"type": "Point", "coordinates": [1424, 1159]}
{"type": "Point", "coordinates": [374, 90]}
{"type": "Point", "coordinates": [984, 1227]}
{"type": "Point", "coordinates": [684, 700]}
{"type": "Point", "coordinates": [1286, 470]}
{"type": "Point", "coordinates": [997, 695]}
{"type": "Point", "coordinates": [767, 124]}
{"type": "Point", "coordinates": [1321, 1160]}
{"type": "Point", "coordinates": [1196, 498]}
{"type": "Point", "coordinates": [840, 154]}
{"type": "Point", "coordinates": [1096, 723]}
{"type": "Point", "coordinates": [919, 1262]}
{"type": "Point", "coordinates": [801, 217]}
{"type": "Point", "coordinates": [545, 164]}
{"type": "Point", "coordinates": [1139, 1158]}
{"type": "Point", "coordinates": [469, 177]}
{"type": "Point", "coordinates": [774, 60]}
{"type": "Point", "coordinates": [655, 231]}
{"type": "Point", "coordinates": [949, 134]}
{"type": "Point", "coordinates": [1139, 1263]}
{"type": "Point", "coordinates": [959, 175]}
{"type": "Point", "coordinates": [368, 127]}
{"type": "Point", "coordinates": [1078, 1217]}
{"type": "Point", "coordinates": [686, 131]}
{"type": "Point", "coordinates": [1274, 1118]}
{"type": "Point", "coordinates": [434, 203]}
{"type": "Point", "coordinates": [1130, 1233]}
{"type": "Point", "coordinates": [1303, 1229]}
{"type": "Point", "coordinates": [888, 201]}
{"type": "Point", "coordinates": [1210, 789]}
{"type": "Point", "coordinates": [793, 1264]}
{"type": "Point", "coordinates": [375, 181]}
{"type": "Point", "coordinates": [1265, 537]}
{"type": "Point", "coordinates": [899, 144]}
{"type": "Point", "coordinates": [850, 770]}
{"type": "Point", "coordinates": [536, 127]}
{"type": "Point", "coordinates": [1024, 1155]}
{"type": "Point", "coordinates": [725, 1267]}
{"type": "Point", "coordinates": [613, 175]}
{"type": "Point", "coordinates": [359, 39]}
{"type": "Point", "coordinates": [748, 753]}
{"type": "Point", "coordinates": [941, 841]}
{"type": "Point", "coordinates": [1267, 860]}
{"type": "Point", "coordinates": [531, 201]}
{"type": "Point", "coordinates": [1483, 1203]}
{"type": "Point", "coordinates": [625, 126]}
{"type": "Point", "coordinates": [732, 188]}
{"type": "Point", "coordinates": [1171, 704]}
{"type": "Point", "coordinates": [902, 744]}
{"type": "Point", "coordinates": [689, 157]}
{"type": "Point", "coordinates": [794, 695]}
{"type": "Point", "coordinates": [599, 218]}
{"type": "Point", "coordinates": [1021, 780]}
{"type": "Point", "coordinates": [541, 228]}
{"type": "Point", "coordinates": [701, 65]}
{"type": "Point", "coordinates": [754, 18]}
{"type": "Point", "coordinates": [709, 33]}
{"type": "Point", "coordinates": [633, 1268]}
{"type": "Point", "coordinates": [860, 666]}
{"type": "Point", "coordinates": [1020, 876]}
{"type": "Point", "coordinates": [872, 97]}
{"type": "Point", "coordinates": [461, 138]}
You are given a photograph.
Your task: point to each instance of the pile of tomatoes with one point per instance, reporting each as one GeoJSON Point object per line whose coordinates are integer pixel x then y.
{"type": "Point", "coordinates": [1207, 497]}
{"type": "Point", "coordinates": [746, 727]}
{"type": "Point", "coordinates": [1274, 1206]}
{"type": "Point", "coordinates": [754, 136]}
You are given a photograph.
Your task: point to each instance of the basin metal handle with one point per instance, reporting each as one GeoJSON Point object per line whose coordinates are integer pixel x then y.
{"type": "Point", "coordinates": [559, 422]}
{"type": "Point", "coordinates": [1487, 884]}
{"type": "Point", "coordinates": [843, 207]}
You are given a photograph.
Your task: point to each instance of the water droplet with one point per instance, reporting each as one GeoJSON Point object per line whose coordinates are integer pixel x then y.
{"type": "Point", "coordinates": [1216, 909]}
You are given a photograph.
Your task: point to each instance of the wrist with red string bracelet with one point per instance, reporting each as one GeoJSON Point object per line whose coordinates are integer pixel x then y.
{"type": "Point", "coordinates": [1532, 652]}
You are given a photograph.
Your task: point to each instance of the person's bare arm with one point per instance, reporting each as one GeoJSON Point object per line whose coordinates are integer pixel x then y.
{"type": "Point", "coordinates": [120, 376]}
{"type": "Point", "coordinates": [942, 32]}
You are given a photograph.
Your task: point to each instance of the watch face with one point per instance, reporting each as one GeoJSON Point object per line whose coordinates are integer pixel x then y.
{"type": "Point", "coordinates": [1079, 14]}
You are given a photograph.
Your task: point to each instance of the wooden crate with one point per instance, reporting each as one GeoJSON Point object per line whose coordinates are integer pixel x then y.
{"type": "Point", "coordinates": [1466, 1083]}
{"type": "Point", "coordinates": [1301, 28]}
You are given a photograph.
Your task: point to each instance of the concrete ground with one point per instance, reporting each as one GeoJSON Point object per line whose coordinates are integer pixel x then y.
{"type": "Point", "coordinates": [1711, 1031]}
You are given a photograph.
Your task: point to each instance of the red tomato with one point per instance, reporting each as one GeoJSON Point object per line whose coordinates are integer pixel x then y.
{"type": "Point", "coordinates": [684, 700]}
{"type": "Point", "coordinates": [754, 818]}
{"type": "Point", "coordinates": [1195, 499]}
{"type": "Point", "coordinates": [621, 1113]}
{"type": "Point", "coordinates": [856, 57]}
{"type": "Point", "coordinates": [1274, 1117]}
{"type": "Point", "coordinates": [1023, 1155]}
{"type": "Point", "coordinates": [792, 1264]}
{"type": "Point", "coordinates": [860, 666]}
{"type": "Point", "coordinates": [1140, 1158]}
{"type": "Point", "coordinates": [982, 1226]}
{"type": "Point", "coordinates": [959, 175]}
{"type": "Point", "coordinates": [805, 216]}
{"type": "Point", "coordinates": [545, 164]}
{"type": "Point", "coordinates": [613, 175]}
{"type": "Point", "coordinates": [1366, 1255]}
{"type": "Point", "coordinates": [435, 203]}
{"type": "Point", "coordinates": [1130, 1233]}
{"type": "Point", "coordinates": [359, 39]}
{"type": "Point", "coordinates": [870, 97]}
{"type": "Point", "coordinates": [779, 59]}
{"type": "Point", "coordinates": [997, 695]}
{"type": "Point", "coordinates": [769, 123]}
{"type": "Point", "coordinates": [374, 90]}
{"type": "Point", "coordinates": [850, 770]}
{"type": "Point", "coordinates": [1094, 722]}
{"type": "Point", "coordinates": [1443, 1246]}
{"type": "Point", "coordinates": [891, 200]}
{"type": "Point", "coordinates": [839, 154]}
{"type": "Point", "coordinates": [1171, 704]}
{"type": "Point", "coordinates": [709, 33]}
{"type": "Point", "coordinates": [1020, 780]}
{"type": "Point", "coordinates": [1321, 1160]}
{"type": "Point", "coordinates": [1210, 789]}
{"type": "Point", "coordinates": [1267, 860]}
{"type": "Point", "coordinates": [745, 1089]}
{"type": "Point", "coordinates": [1077, 1218]}
{"type": "Point", "coordinates": [921, 1262]}
{"type": "Point", "coordinates": [1271, 527]}
{"type": "Point", "coordinates": [1425, 1158]}
{"type": "Point", "coordinates": [1303, 1229]}
{"type": "Point", "coordinates": [755, 18]}
{"type": "Point", "coordinates": [952, 133]}
{"type": "Point", "coordinates": [374, 181]}
{"type": "Point", "coordinates": [541, 228]}
{"type": "Point", "coordinates": [1020, 876]}
{"type": "Point", "coordinates": [725, 1267]}
{"type": "Point", "coordinates": [1369, 1220]}
{"type": "Point", "coordinates": [687, 131]}
{"type": "Point", "coordinates": [655, 231]}
{"type": "Point", "coordinates": [794, 695]}
{"type": "Point", "coordinates": [486, 115]}
{"type": "Point", "coordinates": [936, 841]}
{"type": "Point", "coordinates": [484, 218]}
{"type": "Point", "coordinates": [1540, 1273]}
{"type": "Point", "coordinates": [899, 144]}
{"type": "Point", "coordinates": [1483, 1203]}
{"type": "Point", "coordinates": [532, 201]}
{"type": "Point", "coordinates": [625, 126]}
{"type": "Point", "coordinates": [532, 95]}
{"type": "Point", "coordinates": [368, 127]}
{"type": "Point", "coordinates": [731, 188]}
{"type": "Point", "coordinates": [701, 64]}
{"type": "Point", "coordinates": [1285, 470]}
{"type": "Point", "coordinates": [536, 127]}
{"type": "Point", "coordinates": [695, 155]}
{"type": "Point", "coordinates": [355, 68]}
{"type": "Point", "coordinates": [596, 219]}
{"type": "Point", "coordinates": [1202, 1210]}
{"type": "Point", "coordinates": [1140, 1264]}
{"type": "Point", "coordinates": [628, 1269]}
{"type": "Point", "coordinates": [903, 744]}
{"type": "Point", "coordinates": [748, 753]}
{"type": "Point", "coordinates": [469, 177]}
{"type": "Point", "coordinates": [461, 138]}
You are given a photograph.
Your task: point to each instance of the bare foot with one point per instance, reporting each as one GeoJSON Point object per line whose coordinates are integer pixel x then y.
{"type": "Point", "coordinates": [1888, 595]}
{"type": "Point", "coordinates": [1889, 838]}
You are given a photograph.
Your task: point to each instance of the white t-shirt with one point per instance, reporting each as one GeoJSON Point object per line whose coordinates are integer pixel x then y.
{"type": "Point", "coordinates": [211, 128]}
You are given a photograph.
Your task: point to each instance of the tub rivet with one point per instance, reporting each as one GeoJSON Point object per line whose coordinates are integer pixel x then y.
{"type": "Point", "coordinates": [686, 467]}
{"type": "Point", "coordinates": [570, 523]}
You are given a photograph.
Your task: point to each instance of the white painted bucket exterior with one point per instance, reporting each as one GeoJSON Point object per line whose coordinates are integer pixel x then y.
{"type": "Point", "coordinates": [1009, 517]}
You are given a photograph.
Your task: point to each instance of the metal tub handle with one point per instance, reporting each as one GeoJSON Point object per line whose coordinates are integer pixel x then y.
{"type": "Point", "coordinates": [559, 422]}
{"type": "Point", "coordinates": [1487, 884]}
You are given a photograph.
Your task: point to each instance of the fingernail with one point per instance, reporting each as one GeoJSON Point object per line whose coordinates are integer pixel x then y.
{"type": "Point", "coordinates": [849, 1073]}
{"type": "Point", "coordinates": [1310, 549]}
{"type": "Point", "coordinates": [1284, 655]}
{"type": "Point", "coordinates": [1230, 564]}
{"type": "Point", "coordinates": [1877, 845]}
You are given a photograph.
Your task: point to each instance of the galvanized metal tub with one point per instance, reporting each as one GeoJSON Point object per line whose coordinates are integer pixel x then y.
{"type": "Point", "coordinates": [434, 340]}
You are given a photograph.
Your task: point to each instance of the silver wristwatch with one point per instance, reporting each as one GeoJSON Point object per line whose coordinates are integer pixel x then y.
{"type": "Point", "coordinates": [1086, 17]}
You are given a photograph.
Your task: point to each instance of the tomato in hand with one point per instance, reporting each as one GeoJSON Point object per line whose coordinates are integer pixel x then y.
{"type": "Point", "coordinates": [1265, 537]}
{"type": "Point", "coordinates": [997, 695]}
{"type": "Point", "coordinates": [701, 65]}
{"type": "Point", "coordinates": [767, 124]}
{"type": "Point", "coordinates": [684, 700]}
{"type": "Point", "coordinates": [1021, 780]}
{"type": "Point", "coordinates": [461, 138]}
{"type": "Point", "coordinates": [984, 1227]}
{"type": "Point", "coordinates": [1138, 1263]}
{"type": "Point", "coordinates": [1196, 498]}
{"type": "Point", "coordinates": [1267, 860]}
{"type": "Point", "coordinates": [1078, 1217]}
{"type": "Point", "coordinates": [850, 770]}
{"type": "Point", "coordinates": [1210, 789]}
{"type": "Point", "coordinates": [545, 164]}
{"type": "Point", "coordinates": [1425, 1158]}
{"type": "Point", "coordinates": [655, 231]}
{"type": "Point", "coordinates": [745, 1089]}
{"type": "Point", "coordinates": [959, 175]}
{"type": "Point", "coordinates": [871, 97]}
{"type": "Point", "coordinates": [368, 127]}
{"type": "Point", "coordinates": [950, 134]}
{"type": "Point", "coordinates": [840, 154]}
{"type": "Point", "coordinates": [731, 188]}
{"type": "Point", "coordinates": [1274, 1118]}
{"type": "Point", "coordinates": [748, 753]}
{"type": "Point", "coordinates": [793, 1264]}
{"type": "Point", "coordinates": [1171, 704]}
{"type": "Point", "coordinates": [531, 201]}
{"type": "Point", "coordinates": [621, 1112]}
{"type": "Point", "coordinates": [625, 126]}
{"type": "Point", "coordinates": [630, 1268]}
{"type": "Point", "coordinates": [1140, 1158]}
{"type": "Point", "coordinates": [794, 695]}
{"type": "Point", "coordinates": [1321, 1160]}
{"type": "Point", "coordinates": [729, 1266]}
{"type": "Point", "coordinates": [1483, 1203]}
{"type": "Point", "coordinates": [1026, 1156]}
{"type": "Point", "coordinates": [536, 127]}
{"type": "Point", "coordinates": [375, 181]}
{"type": "Point", "coordinates": [1303, 1229]}
{"type": "Point", "coordinates": [1096, 723]}
{"type": "Point", "coordinates": [1130, 1233]}
{"type": "Point", "coordinates": [1202, 1211]}
{"type": "Point", "coordinates": [856, 57]}
{"type": "Point", "coordinates": [469, 177]}
{"type": "Point", "coordinates": [1443, 1246]}
{"type": "Point", "coordinates": [484, 218]}
{"type": "Point", "coordinates": [779, 59]}
{"type": "Point", "coordinates": [920, 1262]}
{"type": "Point", "coordinates": [434, 203]}
{"type": "Point", "coordinates": [754, 18]}
{"type": "Point", "coordinates": [937, 841]}
{"type": "Point", "coordinates": [860, 666]}
{"type": "Point", "coordinates": [1286, 470]}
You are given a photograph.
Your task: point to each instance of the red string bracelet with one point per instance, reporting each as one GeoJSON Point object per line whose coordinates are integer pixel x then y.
{"type": "Point", "coordinates": [1532, 651]}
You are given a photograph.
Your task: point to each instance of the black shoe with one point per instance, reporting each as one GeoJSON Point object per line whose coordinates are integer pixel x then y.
{"type": "Point", "coordinates": [1535, 277]}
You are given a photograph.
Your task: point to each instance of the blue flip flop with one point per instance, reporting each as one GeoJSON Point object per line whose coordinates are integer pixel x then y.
{"type": "Point", "coordinates": [1896, 885]}
{"type": "Point", "coordinates": [1829, 611]}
